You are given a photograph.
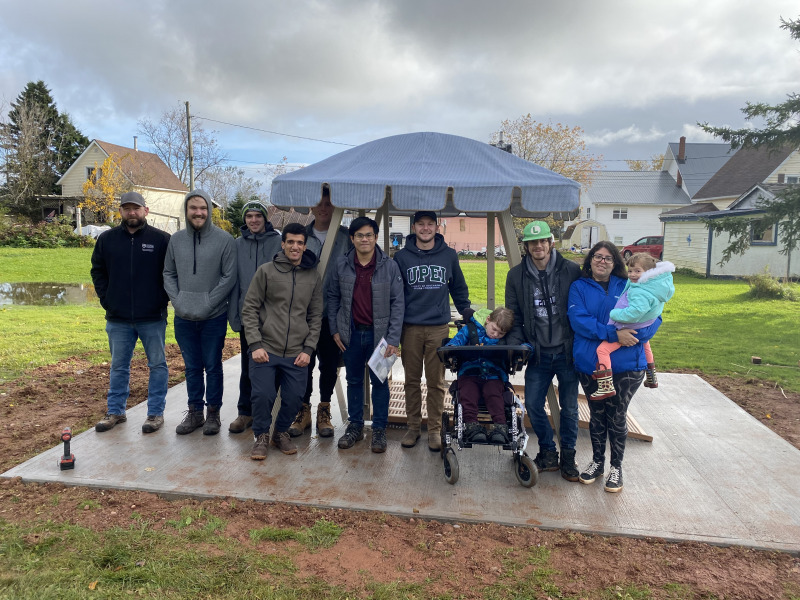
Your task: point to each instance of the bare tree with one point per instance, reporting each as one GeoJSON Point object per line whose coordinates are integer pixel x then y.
{"type": "Point", "coordinates": [225, 184]}
{"type": "Point", "coordinates": [169, 138]}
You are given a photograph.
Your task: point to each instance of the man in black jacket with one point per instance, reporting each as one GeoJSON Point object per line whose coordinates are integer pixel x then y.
{"type": "Point", "coordinates": [537, 290]}
{"type": "Point", "coordinates": [127, 266]}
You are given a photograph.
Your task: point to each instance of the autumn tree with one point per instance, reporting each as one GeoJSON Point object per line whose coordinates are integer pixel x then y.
{"type": "Point", "coordinates": [102, 191]}
{"type": "Point", "coordinates": [557, 147]}
{"type": "Point", "coordinates": [227, 183]}
{"type": "Point", "coordinates": [39, 144]}
{"type": "Point", "coordinates": [170, 141]}
{"type": "Point", "coordinates": [781, 128]}
{"type": "Point", "coordinates": [654, 163]}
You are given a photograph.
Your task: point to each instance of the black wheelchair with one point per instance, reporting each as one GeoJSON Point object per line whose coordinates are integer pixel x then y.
{"type": "Point", "coordinates": [513, 359]}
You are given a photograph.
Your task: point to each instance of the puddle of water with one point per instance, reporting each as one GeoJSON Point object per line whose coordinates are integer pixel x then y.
{"type": "Point", "coordinates": [46, 294]}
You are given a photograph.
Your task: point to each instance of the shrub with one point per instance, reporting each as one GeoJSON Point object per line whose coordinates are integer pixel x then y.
{"type": "Point", "coordinates": [765, 286]}
{"type": "Point", "coordinates": [57, 234]}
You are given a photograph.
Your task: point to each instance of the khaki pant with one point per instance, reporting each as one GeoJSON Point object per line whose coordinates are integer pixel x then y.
{"type": "Point", "coordinates": [418, 346]}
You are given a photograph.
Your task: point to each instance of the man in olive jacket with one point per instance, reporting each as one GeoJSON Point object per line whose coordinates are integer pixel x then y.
{"type": "Point", "coordinates": [281, 316]}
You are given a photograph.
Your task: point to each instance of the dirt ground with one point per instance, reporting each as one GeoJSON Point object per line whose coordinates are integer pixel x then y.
{"type": "Point", "coordinates": [36, 406]}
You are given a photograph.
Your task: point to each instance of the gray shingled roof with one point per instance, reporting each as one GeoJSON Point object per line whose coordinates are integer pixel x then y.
{"type": "Point", "coordinates": [745, 169]}
{"type": "Point", "coordinates": [701, 162]}
{"type": "Point", "coordinates": [636, 188]}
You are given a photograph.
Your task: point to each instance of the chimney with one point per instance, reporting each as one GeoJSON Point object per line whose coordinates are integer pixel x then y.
{"type": "Point", "coordinates": [682, 149]}
{"type": "Point", "coordinates": [135, 147]}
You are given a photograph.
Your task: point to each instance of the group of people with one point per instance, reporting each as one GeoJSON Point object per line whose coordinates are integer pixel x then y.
{"type": "Point", "coordinates": [290, 317]}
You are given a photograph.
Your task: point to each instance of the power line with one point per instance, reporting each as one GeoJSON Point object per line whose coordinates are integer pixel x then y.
{"type": "Point", "coordinates": [299, 137]}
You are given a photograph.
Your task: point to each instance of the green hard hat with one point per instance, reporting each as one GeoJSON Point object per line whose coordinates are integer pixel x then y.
{"type": "Point", "coordinates": [536, 230]}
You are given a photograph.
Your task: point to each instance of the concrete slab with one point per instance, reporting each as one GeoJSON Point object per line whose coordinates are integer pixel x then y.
{"type": "Point", "coordinates": [712, 473]}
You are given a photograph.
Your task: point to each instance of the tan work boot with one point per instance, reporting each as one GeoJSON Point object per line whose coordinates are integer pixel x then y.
{"type": "Point", "coordinates": [324, 426]}
{"type": "Point", "coordinates": [410, 438]}
{"type": "Point", "coordinates": [283, 442]}
{"type": "Point", "coordinates": [240, 423]}
{"type": "Point", "coordinates": [301, 422]}
{"type": "Point", "coordinates": [434, 440]}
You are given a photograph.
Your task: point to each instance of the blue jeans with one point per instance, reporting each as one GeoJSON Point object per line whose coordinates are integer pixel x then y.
{"type": "Point", "coordinates": [537, 381]}
{"type": "Point", "coordinates": [265, 379]}
{"type": "Point", "coordinates": [201, 345]}
{"type": "Point", "coordinates": [121, 341]}
{"type": "Point", "coordinates": [356, 355]}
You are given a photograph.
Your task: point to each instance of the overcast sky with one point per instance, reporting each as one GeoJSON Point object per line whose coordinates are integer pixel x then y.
{"type": "Point", "coordinates": [634, 75]}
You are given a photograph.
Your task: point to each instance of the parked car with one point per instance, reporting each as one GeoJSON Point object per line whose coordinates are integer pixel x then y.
{"type": "Point", "coordinates": [652, 244]}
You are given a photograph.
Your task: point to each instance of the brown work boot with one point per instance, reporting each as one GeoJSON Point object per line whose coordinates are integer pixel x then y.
{"type": "Point", "coordinates": [434, 440]}
{"type": "Point", "coordinates": [240, 423]}
{"type": "Point", "coordinates": [410, 438]}
{"type": "Point", "coordinates": [324, 426]}
{"type": "Point", "coordinates": [301, 422]}
{"type": "Point", "coordinates": [283, 442]}
{"type": "Point", "coordinates": [152, 423]}
{"type": "Point", "coordinates": [109, 421]}
{"type": "Point", "coordinates": [212, 424]}
{"type": "Point", "coordinates": [259, 451]}
{"type": "Point", "coordinates": [191, 421]}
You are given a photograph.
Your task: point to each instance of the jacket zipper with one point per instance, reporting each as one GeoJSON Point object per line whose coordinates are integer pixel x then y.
{"type": "Point", "coordinates": [289, 323]}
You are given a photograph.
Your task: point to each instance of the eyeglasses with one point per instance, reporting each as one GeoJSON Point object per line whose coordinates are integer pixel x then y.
{"type": "Point", "coordinates": [600, 258]}
{"type": "Point", "coordinates": [364, 236]}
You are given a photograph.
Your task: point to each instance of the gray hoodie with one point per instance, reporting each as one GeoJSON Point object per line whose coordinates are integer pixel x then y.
{"type": "Point", "coordinates": [200, 268]}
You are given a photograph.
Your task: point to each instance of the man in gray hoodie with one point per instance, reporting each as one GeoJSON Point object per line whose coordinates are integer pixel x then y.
{"type": "Point", "coordinates": [199, 274]}
{"type": "Point", "coordinates": [258, 245]}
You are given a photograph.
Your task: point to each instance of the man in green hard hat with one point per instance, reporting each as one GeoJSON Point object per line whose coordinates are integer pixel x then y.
{"type": "Point", "coordinates": [537, 291]}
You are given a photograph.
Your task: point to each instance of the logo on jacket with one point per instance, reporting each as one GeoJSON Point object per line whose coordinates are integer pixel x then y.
{"type": "Point", "coordinates": [426, 274]}
{"type": "Point", "coordinates": [148, 247]}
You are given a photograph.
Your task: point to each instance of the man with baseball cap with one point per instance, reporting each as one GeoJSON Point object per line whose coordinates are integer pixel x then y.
{"type": "Point", "coordinates": [431, 275]}
{"type": "Point", "coordinates": [127, 265]}
{"type": "Point", "coordinates": [537, 291]}
{"type": "Point", "coordinates": [257, 245]}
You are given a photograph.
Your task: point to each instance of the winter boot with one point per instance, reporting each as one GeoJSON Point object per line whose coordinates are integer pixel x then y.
{"type": "Point", "coordinates": [324, 427]}
{"type": "Point", "coordinates": [301, 422]}
{"type": "Point", "coordinates": [283, 442]}
{"type": "Point", "coordinates": [546, 460]}
{"type": "Point", "coordinates": [605, 383]}
{"type": "Point", "coordinates": [650, 377]}
{"type": "Point", "coordinates": [474, 433]}
{"type": "Point", "coordinates": [212, 424]}
{"type": "Point", "coordinates": [569, 470]}
{"type": "Point", "coordinates": [498, 434]}
{"type": "Point", "coordinates": [192, 419]}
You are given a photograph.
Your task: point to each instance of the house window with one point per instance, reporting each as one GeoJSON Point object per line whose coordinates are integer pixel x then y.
{"type": "Point", "coordinates": [390, 222]}
{"type": "Point", "coordinates": [620, 213]}
{"type": "Point", "coordinates": [792, 179]}
{"type": "Point", "coordinates": [618, 240]}
{"type": "Point", "coordinates": [92, 174]}
{"type": "Point", "coordinates": [588, 212]}
{"type": "Point", "coordinates": [767, 237]}
{"type": "Point", "coordinates": [462, 225]}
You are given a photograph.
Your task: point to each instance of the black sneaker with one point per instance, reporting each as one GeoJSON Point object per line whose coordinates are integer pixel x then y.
{"type": "Point", "coordinates": [378, 440]}
{"type": "Point", "coordinates": [498, 434]}
{"type": "Point", "coordinates": [591, 472]}
{"type": "Point", "coordinates": [474, 433]}
{"type": "Point", "coordinates": [354, 433]}
{"type": "Point", "coordinates": [192, 419]}
{"type": "Point", "coordinates": [109, 421]}
{"type": "Point", "coordinates": [614, 481]}
{"type": "Point", "coordinates": [212, 424]}
{"type": "Point", "coordinates": [569, 470]}
{"type": "Point", "coordinates": [546, 460]}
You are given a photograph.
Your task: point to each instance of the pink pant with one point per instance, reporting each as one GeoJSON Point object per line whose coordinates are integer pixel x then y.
{"type": "Point", "coordinates": [605, 349]}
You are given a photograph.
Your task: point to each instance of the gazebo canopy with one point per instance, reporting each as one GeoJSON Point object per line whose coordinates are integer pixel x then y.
{"type": "Point", "coordinates": [432, 171]}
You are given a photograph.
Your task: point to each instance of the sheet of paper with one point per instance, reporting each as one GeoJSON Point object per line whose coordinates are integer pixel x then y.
{"type": "Point", "coordinates": [379, 364]}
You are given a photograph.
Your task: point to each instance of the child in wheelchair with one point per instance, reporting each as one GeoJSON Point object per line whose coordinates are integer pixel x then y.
{"type": "Point", "coordinates": [483, 378]}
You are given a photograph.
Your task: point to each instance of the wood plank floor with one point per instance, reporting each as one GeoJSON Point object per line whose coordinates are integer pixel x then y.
{"type": "Point", "coordinates": [712, 472]}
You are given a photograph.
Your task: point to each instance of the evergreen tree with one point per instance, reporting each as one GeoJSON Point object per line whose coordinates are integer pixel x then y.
{"type": "Point", "coordinates": [39, 145]}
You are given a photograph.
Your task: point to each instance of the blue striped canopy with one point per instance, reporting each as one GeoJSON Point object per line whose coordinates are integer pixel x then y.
{"type": "Point", "coordinates": [431, 171]}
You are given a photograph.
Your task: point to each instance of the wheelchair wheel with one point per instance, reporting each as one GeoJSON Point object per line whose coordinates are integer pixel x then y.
{"type": "Point", "coordinates": [525, 470]}
{"type": "Point", "coordinates": [450, 466]}
{"type": "Point", "coordinates": [445, 429]}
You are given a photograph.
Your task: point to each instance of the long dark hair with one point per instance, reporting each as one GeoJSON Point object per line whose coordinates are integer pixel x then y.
{"type": "Point", "coordinates": [619, 265]}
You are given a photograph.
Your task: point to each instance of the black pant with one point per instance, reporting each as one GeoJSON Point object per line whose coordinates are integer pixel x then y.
{"type": "Point", "coordinates": [245, 387]}
{"type": "Point", "coordinates": [329, 356]}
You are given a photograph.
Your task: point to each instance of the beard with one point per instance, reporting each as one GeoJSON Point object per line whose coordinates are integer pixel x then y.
{"type": "Point", "coordinates": [134, 222]}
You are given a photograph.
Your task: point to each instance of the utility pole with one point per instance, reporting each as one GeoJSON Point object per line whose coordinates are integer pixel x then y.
{"type": "Point", "coordinates": [191, 149]}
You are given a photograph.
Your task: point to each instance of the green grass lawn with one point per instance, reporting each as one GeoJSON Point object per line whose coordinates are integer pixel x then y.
{"type": "Point", "coordinates": [710, 325]}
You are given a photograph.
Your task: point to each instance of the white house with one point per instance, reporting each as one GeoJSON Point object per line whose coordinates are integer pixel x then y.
{"type": "Point", "coordinates": [146, 173]}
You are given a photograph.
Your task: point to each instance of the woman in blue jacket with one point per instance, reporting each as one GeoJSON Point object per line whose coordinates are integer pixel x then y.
{"type": "Point", "coordinates": [591, 299]}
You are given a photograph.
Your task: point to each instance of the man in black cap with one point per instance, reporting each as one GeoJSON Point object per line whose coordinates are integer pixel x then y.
{"type": "Point", "coordinates": [127, 266]}
{"type": "Point", "coordinates": [431, 274]}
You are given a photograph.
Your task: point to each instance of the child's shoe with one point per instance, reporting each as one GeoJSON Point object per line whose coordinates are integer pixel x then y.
{"type": "Point", "coordinates": [650, 377]}
{"type": "Point", "coordinates": [498, 434]}
{"type": "Point", "coordinates": [474, 433]}
{"type": "Point", "coordinates": [605, 383]}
